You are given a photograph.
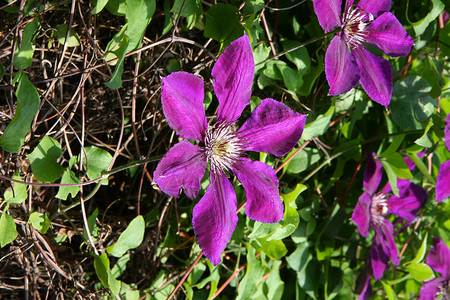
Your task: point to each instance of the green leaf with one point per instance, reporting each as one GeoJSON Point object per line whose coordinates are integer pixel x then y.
{"type": "Point", "coordinates": [299, 57]}
{"type": "Point", "coordinates": [117, 7]}
{"type": "Point", "coordinates": [318, 126]}
{"type": "Point", "coordinates": [393, 146]}
{"type": "Point", "coordinates": [130, 238]}
{"type": "Point", "coordinates": [420, 26]}
{"type": "Point", "coordinates": [138, 16]}
{"type": "Point", "coordinates": [389, 291]}
{"type": "Point", "coordinates": [114, 284]}
{"type": "Point", "coordinates": [40, 222]}
{"type": "Point", "coordinates": [99, 5]}
{"type": "Point", "coordinates": [27, 106]}
{"type": "Point", "coordinates": [98, 160]}
{"type": "Point", "coordinates": [192, 9]}
{"type": "Point", "coordinates": [392, 178]}
{"type": "Point", "coordinates": [24, 57]}
{"type": "Point", "coordinates": [101, 266]}
{"type": "Point", "coordinates": [291, 78]}
{"type": "Point", "coordinates": [274, 283]}
{"type": "Point", "coordinates": [408, 110]}
{"type": "Point", "coordinates": [425, 140]}
{"type": "Point", "coordinates": [120, 266]}
{"type": "Point", "coordinates": [68, 177]}
{"type": "Point", "coordinates": [253, 275]}
{"type": "Point", "coordinates": [72, 41]}
{"type": "Point", "coordinates": [303, 160]}
{"type": "Point", "coordinates": [43, 160]}
{"type": "Point", "coordinates": [18, 193]}
{"type": "Point", "coordinates": [398, 165]}
{"type": "Point", "coordinates": [132, 295]}
{"type": "Point", "coordinates": [222, 23]}
{"type": "Point", "coordinates": [421, 252]}
{"type": "Point", "coordinates": [93, 228]}
{"type": "Point", "coordinates": [116, 80]}
{"type": "Point", "coordinates": [419, 272]}
{"type": "Point", "coordinates": [8, 232]}
{"type": "Point", "coordinates": [274, 249]}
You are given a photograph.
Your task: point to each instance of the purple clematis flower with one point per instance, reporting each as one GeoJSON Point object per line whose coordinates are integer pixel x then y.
{"type": "Point", "coordinates": [373, 207]}
{"type": "Point", "coordinates": [346, 60]}
{"type": "Point", "coordinates": [439, 259]}
{"type": "Point", "coordinates": [443, 179]}
{"type": "Point", "coordinates": [272, 127]}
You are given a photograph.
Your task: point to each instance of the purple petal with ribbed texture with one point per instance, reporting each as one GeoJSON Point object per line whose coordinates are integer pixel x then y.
{"type": "Point", "coordinates": [447, 132]}
{"type": "Point", "coordinates": [233, 78]}
{"type": "Point", "coordinates": [375, 7]}
{"type": "Point", "coordinates": [341, 69]}
{"type": "Point", "coordinates": [372, 174]}
{"type": "Point", "coordinates": [260, 183]}
{"type": "Point", "coordinates": [443, 182]}
{"type": "Point", "coordinates": [214, 217]}
{"type": "Point", "coordinates": [329, 13]}
{"type": "Point", "coordinates": [383, 248]}
{"type": "Point", "coordinates": [376, 76]}
{"type": "Point", "coordinates": [389, 35]}
{"type": "Point", "coordinates": [183, 166]}
{"type": "Point", "coordinates": [361, 215]}
{"type": "Point", "coordinates": [430, 289]}
{"type": "Point", "coordinates": [366, 291]}
{"type": "Point", "coordinates": [438, 258]}
{"type": "Point", "coordinates": [410, 200]}
{"type": "Point", "coordinates": [272, 128]}
{"type": "Point", "coordinates": [182, 101]}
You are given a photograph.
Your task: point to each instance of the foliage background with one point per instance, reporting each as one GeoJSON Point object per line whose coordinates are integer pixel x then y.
{"type": "Point", "coordinates": [80, 103]}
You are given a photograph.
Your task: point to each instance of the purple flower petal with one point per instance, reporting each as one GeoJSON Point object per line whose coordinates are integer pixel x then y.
{"type": "Point", "coordinates": [383, 248]}
{"type": "Point", "coordinates": [183, 166]}
{"type": "Point", "coordinates": [443, 182]}
{"type": "Point", "coordinates": [375, 7]}
{"type": "Point", "coordinates": [447, 132]}
{"type": "Point", "coordinates": [438, 258]}
{"type": "Point", "coordinates": [366, 291]}
{"type": "Point", "coordinates": [233, 78]}
{"type": "Point", "coordinates": [341, 69]}
{"type": "Point", "coordinates": [272, 128]}
{"type": "Point", "coordinates": [410, 200]}
{"type": "Point", "coordinates": [431, 289]}
{"type": "Point", "coordinates": [329, 13]}
{"type": "Point", "coordinates": [182, 101]}
{"type": "Point", "coordinates": [372, 174]}
{"type": "Point", "coordinates": [214, 217]}
{"type": "Point", "coordinates": [376, 76]}
{"type": "Point", "coordinates": [361, 215]}
{"type": "Point", "coordinates": [389, 35]}
{"type": "Point", "coordinates": [379, 257]}
{"type": "Point", "coordinates": [260, 183]}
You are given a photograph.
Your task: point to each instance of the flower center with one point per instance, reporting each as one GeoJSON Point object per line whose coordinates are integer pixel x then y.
{"type": "Point", "coordinates": [379, 208]}
{"type": "Point", "coordinates": [223, 147]}
{"type": "Point", "coordinates": [354, 25]}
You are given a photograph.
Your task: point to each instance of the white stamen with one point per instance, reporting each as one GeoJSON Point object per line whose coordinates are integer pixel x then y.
{"type": "Point", "coordinates": [223, 147]}
{"type": "Point", "coordinates": [355, 22]}
{"type": "Point", "coordinates": [379, 208]}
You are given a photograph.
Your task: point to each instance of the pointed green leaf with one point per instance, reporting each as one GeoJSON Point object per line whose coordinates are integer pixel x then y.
{"type": "Point", "coordinates": [39, 221]}
{"type": "Point", "coordinates": [27, 106]}
{"type": "Point", "coordinates": [130, 238]}
{"type": "Point", "coordinates": [8, 232]}
{"type": "Point", "coordinates": [24, 57]}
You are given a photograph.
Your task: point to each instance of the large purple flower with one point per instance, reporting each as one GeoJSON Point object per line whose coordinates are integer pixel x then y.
{"type": "Point", "coordinates": [346, 60]}
{"type": "Point", "coordinates": [272, 127]}
{"type": "Point", "coordinates": [443, 179]}
{"type": "Point", "coordinates": [439, 259]}
{"type": "Point", "coordinates": [373, 207]}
